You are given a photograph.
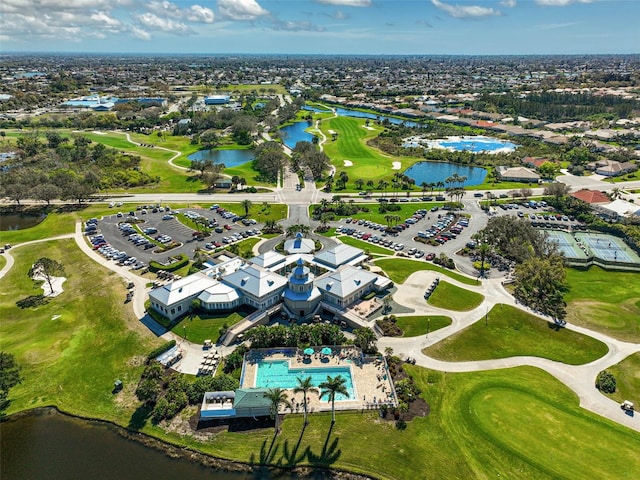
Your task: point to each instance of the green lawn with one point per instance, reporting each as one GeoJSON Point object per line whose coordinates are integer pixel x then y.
{"type": "Point", "coordinates": [605, 301]}
{"type": "Point", "coordinates": [519, 423]}
{"type": "Point", "coordinates": [415, 325]}
{"type": "Point", "coordinates": [72, 361]}
{"type": "Point", "coordinates": [511, 332]}
{"type": "Point", "coordinates": [406, 211]}
{"type": "Point", "coordinates": [627, 374]}
{"type": "Point", "coordinates": [454, 298]}
{"type": "Point", "coordinates": [368, 163]}
{"type": "Point", "coordinates": [400, 269]}
{"type": "Point", "coordinates": [205, 326]}
{"type": "Point", "coordinates": [366, 246]}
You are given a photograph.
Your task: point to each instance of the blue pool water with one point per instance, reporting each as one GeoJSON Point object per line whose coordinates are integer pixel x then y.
{"type": "Point", "coordinates": [476, 144]}
{"type": "Point", "coordinates": [230, 158]}
{"type": "Point", "coordinates": [439, 171]}
{"type": "Point", "coordinates": [272, 374]}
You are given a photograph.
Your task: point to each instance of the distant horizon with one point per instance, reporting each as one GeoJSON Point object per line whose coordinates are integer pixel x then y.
{"type": "Point", "coordinates": [320, 55]}
{"type": "Point", "coordinates": [317, 27]}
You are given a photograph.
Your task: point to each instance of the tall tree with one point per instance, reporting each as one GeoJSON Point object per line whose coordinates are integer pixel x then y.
{"type": "Point", "coordinates": [540, 283]}
{"type": "Point", "coordinates": [48, 269]}
{"type": "Point", "coordinates": [304, 386]}
{"type": "Point", "coordinates": [246, 205]}
{"type": "Point", "coordinates": [332, 387]}
{"type": "Point", "coordinates": [277, 397]}
{"type": "Point", "coordinates": [9, 377]}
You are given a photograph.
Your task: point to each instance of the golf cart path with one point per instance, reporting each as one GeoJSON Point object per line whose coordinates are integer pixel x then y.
{"type": "Point", "coordinates": [9, 257]}
{"type": "Point", "coordinates": [579, 378]}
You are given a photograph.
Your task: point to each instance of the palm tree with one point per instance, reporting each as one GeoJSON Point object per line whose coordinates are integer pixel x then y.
{"type": "Point", "coordinates": [304, 386]}
{"type": "Point", "coordinates": [615, 193]}
{"type": "Point", "coordinates": [332, 387]}
{"type": "Point", "coordinates": [424, 186]}
{"type": "Point", "coordinates": [382, 185]}
{"type": "Point", "coordinates": [277, 397]}
{"type": "Point", "coordinates": [246, 205]}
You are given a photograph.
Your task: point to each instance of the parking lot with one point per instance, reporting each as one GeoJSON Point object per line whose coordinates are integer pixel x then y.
{"type": "Point", "coordinates": [141, 239]}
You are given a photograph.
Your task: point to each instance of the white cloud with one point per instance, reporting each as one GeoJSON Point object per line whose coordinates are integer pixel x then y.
{"type": "Point", "coordinates": [346, 3]}
{"type": "Point", "coordinates": [241, 9]}
{"type": "Point", "coordinates": [508, 3]}
{"type": "Point", "coordinates": [152, 21]}
{"type": "Point", "coordinates": [465, 11]}
{"type": "Point", "coordinates": [140, 33]}
{"type": "Point", "coordinates": [194, 13]}
{"type": "Point", "coordinates": [560, 3]}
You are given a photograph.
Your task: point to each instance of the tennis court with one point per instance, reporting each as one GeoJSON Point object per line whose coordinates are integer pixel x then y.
{"type": "Point", "coordinates": [607, 247]}
{"type": "Point", "coordinates": [566, 244]}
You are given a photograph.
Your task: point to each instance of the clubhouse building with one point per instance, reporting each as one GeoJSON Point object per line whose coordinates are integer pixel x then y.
{"type": "Point", "coordinates": [300, 284]}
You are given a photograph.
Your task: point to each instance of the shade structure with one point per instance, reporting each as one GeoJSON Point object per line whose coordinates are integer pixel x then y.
{"type": "Point", "coordinates": [308, 351]}
{"type": "Point", "coordinates": [326, 351]}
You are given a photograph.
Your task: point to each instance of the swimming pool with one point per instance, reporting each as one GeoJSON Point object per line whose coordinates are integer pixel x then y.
{"type": "Point", "coordinates": [277, 373]}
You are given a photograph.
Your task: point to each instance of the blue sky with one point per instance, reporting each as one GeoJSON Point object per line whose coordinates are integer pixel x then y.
{"type": "Point", "coordinates": [477, 27]}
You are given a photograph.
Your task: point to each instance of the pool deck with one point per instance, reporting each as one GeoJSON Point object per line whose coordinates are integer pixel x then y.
{"type": "Point", "coordinates": [371, 381]}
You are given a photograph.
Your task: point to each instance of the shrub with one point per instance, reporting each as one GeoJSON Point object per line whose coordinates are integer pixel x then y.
{"type": "Point", "coordinates": [606, 382]}
{"type": "Point", "coordinates": [180, 261]}
{"type": "Point", "coordinates": [161, 349]}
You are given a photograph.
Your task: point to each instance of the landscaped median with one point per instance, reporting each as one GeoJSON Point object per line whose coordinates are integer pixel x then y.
{"type": "Point", "coordinates": [454, 298]}
{"type": "Point", "coordinates": [399, 270]}
{"type": "Point", "coordinates": [507, 331]}
{"type": "Point", "coordinates": [627, 375]}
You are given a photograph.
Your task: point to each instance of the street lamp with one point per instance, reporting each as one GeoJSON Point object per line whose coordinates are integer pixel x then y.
{"type": "Point", "coordinates": [428, 326]}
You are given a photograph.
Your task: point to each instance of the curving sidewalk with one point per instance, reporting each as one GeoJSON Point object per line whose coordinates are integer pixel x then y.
{"type": "Point", "coordinates": [579, 378]}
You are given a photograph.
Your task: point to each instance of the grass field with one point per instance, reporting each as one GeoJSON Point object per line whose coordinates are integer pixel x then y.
{"type": "Point", "coordinates": [368, 163]}
{"type": "Point", "coordinates": [3, 261]}
{"type": "Point", "coordinates": [627, 374]}
{"type": "Point", "coordinates": [366, 246]}
{"type": "Point", "coordinates": [72, 361]}
{"type": "Point", "coordinates": [454, 298]}
{"type": "Point", "coordinates": [406, 210]}
{"type": "Point", "coordinates": [203, 327]}
{"type": "Point", "coordinates": [605, 301]}
{"type": "Point", "coordinates": [400, 269]}
{"type": "Point", "coordinates": [511, 332]}
{"type": "Point", "coordinates": [415, 325]}
{"type": "Point", "coordinates": [481, 425]}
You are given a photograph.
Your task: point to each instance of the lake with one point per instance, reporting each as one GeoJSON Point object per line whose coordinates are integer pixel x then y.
{"type": "Point", "coordinates": [230, 158]}
{"type": "Point", "coordinates": [19, 221]}
{"type": "Point", "coordinates": [56, 447]}
{"type": "Point", "coordinates": [439, 171]}
{"type": "Point", "coordinates": [295, 133]}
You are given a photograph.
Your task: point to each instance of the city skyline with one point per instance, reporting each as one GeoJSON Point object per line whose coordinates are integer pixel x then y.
{"type": "Point", "coordinates": [366, 27]}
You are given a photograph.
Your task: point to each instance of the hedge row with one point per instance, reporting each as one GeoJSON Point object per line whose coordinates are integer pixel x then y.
{"type": "Point", "coordinates": [161, 349]}
{"type": "Point", "coordinates": [177, 265]}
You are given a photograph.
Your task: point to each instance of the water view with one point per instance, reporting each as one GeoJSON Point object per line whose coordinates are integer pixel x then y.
{"type": "Point", "coordinates": [473, 144]}
{"type": "Point", "coordinates": [57, 447]}
{"type": "Point", "coordinates": [295, 133]}
{"type": "Point", "coordinates": [439, 171]}
{"type": "Point", "coordinates": [19, 221]}
{"type": "Point", "coordinates": [230, 158]}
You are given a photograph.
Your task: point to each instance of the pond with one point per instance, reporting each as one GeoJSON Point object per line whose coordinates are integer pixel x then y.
{"type": "Point", "coordinates": [295, 133]}
{"type": "Point", "coordinates": [19, 221]}
{"type": "Point", "coordinates": [57, 447]}
{"type": "Point", "coordinates": [439, 171]}
{"type": "Point", "coordinates": [230, 158]}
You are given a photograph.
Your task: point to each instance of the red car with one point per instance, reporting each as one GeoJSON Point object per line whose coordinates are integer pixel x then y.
{"type": "Point", "coordinates": [430, 256]}
{"type": "Point", "coordinates": [227, 227]}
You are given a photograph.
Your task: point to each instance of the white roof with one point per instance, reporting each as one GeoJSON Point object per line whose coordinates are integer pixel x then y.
{"type": "Point", "coordinates": [339, 255]}
{"type": "Point", "coordinates": [255, 280]}
{"type": "Point", "coordinates": [268, 259]}
{"type": "Point", "coordinates": [344, 281]}
{"type": "Point", "coordinates": [178, 290]}
{"type": "Point", "coordinates": [622, 208]}
{"type": "Point", "coordinates": [219, 293]}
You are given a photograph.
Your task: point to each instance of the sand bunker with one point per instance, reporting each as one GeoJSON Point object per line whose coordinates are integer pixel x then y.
{"type": "Point", "coordinates": [396, 166]}
{"type": "Point", "coordinates": [56, 283]}
{"type": "Point", "coordinates": [348, 163]}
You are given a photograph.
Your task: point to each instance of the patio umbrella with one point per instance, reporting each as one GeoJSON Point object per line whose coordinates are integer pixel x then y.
{"type": "Point", "coordinates": [326, 351]}
{"type": "Point", "coordinates": [308, 351]}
